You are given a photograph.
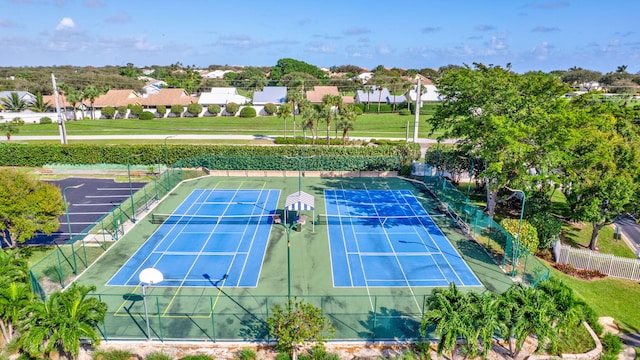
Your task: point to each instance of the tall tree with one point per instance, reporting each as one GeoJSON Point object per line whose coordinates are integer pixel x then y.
{"type": "Point", "coordinates": [9, 128]}
{"type": "Point", "coordinates": [59, 323]}
{"type": "Point", "coordinates": [284, 112]}
{"type": "Point", "coordinates": [296, 98]}
{"type": "Point", "coordinates": [14, 102]}
{"type": "Point", "coordinates": [346, 118]}
{"type": "Point", "coordinates": [494, 112]}
{"type": "Point", "coordinates": [449, 310]}
{"type": "Point", "coordinates": [330, 106]}
{"type": "Point", "coordinates": [28, 206]}
{"type": "Point", "coordinates": [91, 93]}
{"type": "Point", "coordinates": [602, 166]}
{"type": "Point", "coordinates": [39, 105]}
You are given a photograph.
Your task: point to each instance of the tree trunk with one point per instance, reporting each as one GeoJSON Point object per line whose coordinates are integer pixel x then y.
{"type": "Point", "coordinates": [328, 132]}
{"type": "Point", "coordinates": [594, 236]}
{"type": "Point", "coordinates": [492, 198]}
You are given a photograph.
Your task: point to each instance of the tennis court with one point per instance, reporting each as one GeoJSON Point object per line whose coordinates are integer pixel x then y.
{"type": "Point", "coordinates": [226, 262]}
{"type": "Point", "coordinates": [385, 238]}
{"type": "Point", "coordinates": [214, 236]}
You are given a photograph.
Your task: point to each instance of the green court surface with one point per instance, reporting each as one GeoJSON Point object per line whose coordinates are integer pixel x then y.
{"type": "Point", "coordinates": [216, 313]}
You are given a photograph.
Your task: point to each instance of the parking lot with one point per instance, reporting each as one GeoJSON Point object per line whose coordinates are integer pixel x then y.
{"type": "Point", "coordinates": [88, 200]}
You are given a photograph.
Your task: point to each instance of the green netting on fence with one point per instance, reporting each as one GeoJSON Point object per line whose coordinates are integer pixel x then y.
{"type": "Point", "coordinates": [59, 267]}
{"type": "Point", "coordinates": [226, 317]}
{"type": "Point", "coordinates": [514, 257]}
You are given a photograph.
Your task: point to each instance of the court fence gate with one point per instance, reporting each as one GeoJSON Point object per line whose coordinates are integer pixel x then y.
{"type": "Point", "coordinates": [514, 258]}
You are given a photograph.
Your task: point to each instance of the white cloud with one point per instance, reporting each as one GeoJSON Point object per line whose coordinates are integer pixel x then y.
{"type": "Point", "coordinates": [65, 24]}
{"type": "Point", "coordinates": [541, 52]}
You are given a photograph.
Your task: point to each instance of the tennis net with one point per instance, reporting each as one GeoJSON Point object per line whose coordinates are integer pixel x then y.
{"type": "Point", "coordinates": [334, 219]}
{"type": "Point", "coordinates": [212, 219]}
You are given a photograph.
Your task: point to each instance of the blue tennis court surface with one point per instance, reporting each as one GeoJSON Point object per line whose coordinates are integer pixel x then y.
{"type": "Point", "coordinates": [218, 236]}
{"type": "Point", "coordinates": [385, 238]}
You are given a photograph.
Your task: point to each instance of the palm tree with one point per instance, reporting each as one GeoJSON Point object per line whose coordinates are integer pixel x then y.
{"type": "Point", "coordinates": [284, 112]}
{"type": "Point", "coordinates": [14, 297]}
{"type": "Point", "coordinates": [9, 128]}
{"type": "Point", "coordinates": [309, 117]}
{"type": "Point", "coordinates": [73, 97]}
{"type": "Point", "coordinates": [14, 103]}
{"type": "Point", "coordinates": [486, 322]}
{"type": "Point", "coordinates": [39, 105]}
{"type": "Point", "coordinates": [59, 323]}
{"type": "Point", "coordinates": [449, 310]}
{"type": "Point", "coordinates": [347, 117]}
{"type": "Point", "coordinates": [369, 90]}
{"type": "Point", "coordinates": [527, 311]}
{"type": "Point", "coordinates": [91, 93]}
{"type": "Point", "coordinates": [622, 69]}
{"type": "Point", "coordinates": [296, 98]}
{"type": "Point", "coordinates": [330, 105]}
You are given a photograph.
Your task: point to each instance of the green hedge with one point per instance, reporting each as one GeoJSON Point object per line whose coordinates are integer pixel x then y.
{"type": "Point", "coordinates": [385, 157]}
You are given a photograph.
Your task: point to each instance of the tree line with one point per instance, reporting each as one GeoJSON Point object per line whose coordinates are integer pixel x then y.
{"type": "Point", "coordinates": [518, 131]}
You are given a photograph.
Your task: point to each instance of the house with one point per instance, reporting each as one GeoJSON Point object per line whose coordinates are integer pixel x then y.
{"type": "Point", "coordinates": [364, 77]}
{"type": "Point", "coordinates": [152, 86]}
{"type": "Point", "coordinates": [396, 99]}
{"type": "Point", "coordinates": [168, 98]}
{"type": "Point", "coordinates": [429, 92]}
{"type": "Point", "coordinates": [270, 94]}
{"type": "Point", "coordinates": [215, 74]}
{"type": "Point", "coordinates": [117, 98]}
{"type": "Point", "coordinates": [316, 95]}
{"type": "Point", "coordinates": [590, 86]}
{"type": "Point", "coordinates": [374, 95]}
{"type": "Point", "coordinates": [25, 96]}
{"type": "Point", "coordinates": [222, 96]}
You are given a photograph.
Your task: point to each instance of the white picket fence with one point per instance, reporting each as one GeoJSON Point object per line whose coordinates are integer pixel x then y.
{"type": "Point", "coordinates": [608, 264]}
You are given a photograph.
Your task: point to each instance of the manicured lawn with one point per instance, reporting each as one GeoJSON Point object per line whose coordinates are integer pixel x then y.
{"type": "Point", "coordinates": [609, 297]}
{"type": "Point", "coordinates": [579, 235]}
{"type": "Point", "coordinates": [368, 125]}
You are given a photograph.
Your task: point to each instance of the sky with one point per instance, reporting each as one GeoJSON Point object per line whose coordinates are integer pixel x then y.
{"type": "Point", "coordinates": [529, 35]}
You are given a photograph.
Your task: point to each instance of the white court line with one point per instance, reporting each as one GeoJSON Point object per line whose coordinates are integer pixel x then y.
{"type": "Point", "coordinates": [118, 188]}
{"type": "Point", "coordinates": [105, 196]}
{"type": "Point", "coordinates": [87, 213]}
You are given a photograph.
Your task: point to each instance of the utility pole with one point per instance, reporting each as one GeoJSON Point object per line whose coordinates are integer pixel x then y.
{"type": "Point", "coordinates": [416, 119]}
{"type": "Point", "coordinates": [63, 130]}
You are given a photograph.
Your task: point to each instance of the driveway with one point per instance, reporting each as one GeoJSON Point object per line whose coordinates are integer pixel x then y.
{"type": "Point", "coordinates": [630, 229]}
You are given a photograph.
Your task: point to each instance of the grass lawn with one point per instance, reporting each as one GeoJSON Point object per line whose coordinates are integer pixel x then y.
{"type": "Point", "coordinates": [579, 235]}
{"type": "Point", "coordinates": [367, 125]}
{"type": "Point", "coordinates": [609, 296]}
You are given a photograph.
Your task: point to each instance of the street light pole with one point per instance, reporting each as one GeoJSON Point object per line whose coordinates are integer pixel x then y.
{"type": "Point", "coordinates": [287, 230]}
{"type": "Point", "coordinates": [166, 150]}
{"type": "Point", "coordinates": [133, 210]}
{"type": "Point", "coordinates": [299, 158]}
{"type": "Point", "coordinates": [66, 210]}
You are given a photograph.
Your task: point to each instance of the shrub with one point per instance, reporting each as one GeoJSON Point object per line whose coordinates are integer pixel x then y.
{"type": "Point", "coordinates": [247, 354]}
{"type": "Point", "coordinates": [122, 111]}
{"type": "Point", "coordinates": [197, 357]}
{"type": "Point", "coordinates": [146, 115]}
{"type": "Point", "coordinates": [161, 110]}
{"type": "Point", "coordinates": [213, 109]}
{"type": "Point", "coordinates": [158, 355]}
{"type": "Point", "coordinates": [528, 233]}
{"type": "Point", "coordinates": [113, 355]}
{"type": "Point", "coordinates": [248, 112]}
{"type": "Point", "coordinates": [194, 109]}
{"type": "Point", "coordinates": [108, 112]}
{"type": "Point", "coordinates": [136, 109]}
{"type": "Point", "coordinates": [232, 108]}
{"type": "Point", "coordinates": [270, 108]}
{"type": "Point", "coordinates": [611, 346]}
{"type": "Point", "coordinates": [548, 228]}
{"type": "Point", "coordinates": [177, 110]}
{"type": "Point", "coordinates": [45, 120]}
{"type": "Point", "coordinates": [18, 121]}
{"type": "Point", "coordinates": [404, 112]}
{"type": "Point", "coordinates": [358, 110]}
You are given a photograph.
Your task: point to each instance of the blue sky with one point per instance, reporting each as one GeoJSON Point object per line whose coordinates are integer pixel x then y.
{"type": "Point", "coordinates": [531, 35]}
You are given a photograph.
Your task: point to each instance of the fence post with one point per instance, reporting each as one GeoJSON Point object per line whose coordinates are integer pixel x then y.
{"type": "Point", "coordinates": [375, 316]}
{"type": "Point", "coordinates": [159, 319]}
{"type": "Point", "coordinates": [104, 323]}
{"type": "Point", "coordinates": [213, 321]}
